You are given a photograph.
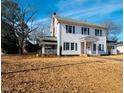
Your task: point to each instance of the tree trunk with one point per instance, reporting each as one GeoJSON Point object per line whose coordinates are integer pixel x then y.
{"type": "Point", "coordinates": [20, 50]}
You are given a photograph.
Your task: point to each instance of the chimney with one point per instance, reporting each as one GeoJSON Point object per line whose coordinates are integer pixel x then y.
{"type": "Point", "coordinates": [54, 13]}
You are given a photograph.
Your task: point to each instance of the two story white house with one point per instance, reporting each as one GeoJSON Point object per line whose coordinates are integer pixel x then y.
{"type": "Point", "coordinates": [75, 37]}
{"type": "Point", "coordinates": [78, 38]}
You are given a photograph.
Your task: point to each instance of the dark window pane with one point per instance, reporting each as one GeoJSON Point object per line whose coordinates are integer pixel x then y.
{"type": "Point", "coordinates": [96, 32]}
{"type": "Point", "coordinates": [99, 47]}
{"type": "Point", "coordinates": [85, 29]}
{"type": "Point", "coordinates": [72, 46]}
{"type": "Point", "coordinates": [67, 46]}
{"type": "Point", "coordinates": [70, 29]}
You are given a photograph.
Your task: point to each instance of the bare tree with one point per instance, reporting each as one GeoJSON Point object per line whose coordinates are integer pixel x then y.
{"type": "Point", "coordinates": [112, 30]}
{"type": "Point", "coordinates": [21, 19]}
{"type": "Point", "coordinates": [43, 30]}
{"type": "Point", "coordinates": [9, 20]}
{"type": "Point", "coordinates": [25, 26]}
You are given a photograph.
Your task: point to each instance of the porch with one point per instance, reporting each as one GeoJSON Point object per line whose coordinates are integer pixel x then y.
{"type": "Point", "coordinates": [89, 46]}
{"type": "Point", "coordinates": [48, 45]}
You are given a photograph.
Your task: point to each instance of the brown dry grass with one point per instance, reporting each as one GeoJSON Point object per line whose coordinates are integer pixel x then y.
{"type": "Point", "coordinates": [30, 74]}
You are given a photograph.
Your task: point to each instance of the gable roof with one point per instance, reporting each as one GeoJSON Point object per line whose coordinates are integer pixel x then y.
{"type": "Point", "coordinates": [89, 39]}
{"type": "Point", "coordinates": [77, 22]}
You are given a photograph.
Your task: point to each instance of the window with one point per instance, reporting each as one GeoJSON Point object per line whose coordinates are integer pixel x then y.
{"type": "Point", "coordinates": [72, 46]}
{"type": "Point", "coordinates": [70, 29]}
{"type": "Point", "coordinates": [101, 47]}
{"type": "Point", "coordinates": [98, 32]}
{"type": "Point", "coordinates": [75, 46]}
{"type": "Point", "coordinates": [113, 47]}
{"type": "Point", "coordinates": [85, 31]}
{"type": "Point", "coordinates": [66, 46]}
{"type": "Point", "coordinates": [94, 47]}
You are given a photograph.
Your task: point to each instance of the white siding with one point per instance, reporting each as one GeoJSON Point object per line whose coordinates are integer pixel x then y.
{"type": "Point", "coordinates": [120, 49]}
{"type": "Point", "coordinates": [70, 37]}
{"type": "Point", "coordinates": [54, 25]}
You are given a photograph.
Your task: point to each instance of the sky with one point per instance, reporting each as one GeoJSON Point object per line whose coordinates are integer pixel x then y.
{"type": "Point", "coordinates": [96, 11]}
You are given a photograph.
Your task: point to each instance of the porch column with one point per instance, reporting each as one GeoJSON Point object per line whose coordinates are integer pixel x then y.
{"type": "Point", "coordinates": [85, 49]}
{"type": "Point", "coordinates": [43, 49]}
{"type": "Point", "coordinates": [96, 48]}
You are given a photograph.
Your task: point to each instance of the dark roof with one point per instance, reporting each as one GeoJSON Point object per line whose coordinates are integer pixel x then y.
{"type": "Point", "coordinates": [77, 22]}
{"type": "Point", "coordinates": [120, 43]}
{"type": "Point", "coordinates": [110, 41]}
{"type": "Point", "coordinates": [50, 40]}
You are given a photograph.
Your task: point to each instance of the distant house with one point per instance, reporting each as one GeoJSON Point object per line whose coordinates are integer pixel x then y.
{"type": "Point", "coordinates": [120, 48]}
{"type": "Point", "coordinates": [72, 37]}
{"type": "Point", "coordinates": [111, 47]}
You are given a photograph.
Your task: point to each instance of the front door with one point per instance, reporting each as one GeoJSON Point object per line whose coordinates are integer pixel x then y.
{"type": "Point", "coordinates": [88, 50]}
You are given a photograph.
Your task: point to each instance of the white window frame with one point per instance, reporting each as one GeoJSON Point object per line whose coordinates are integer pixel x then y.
{"type": "Point", "coordinates": [70, 29]}
{"type": "Point", "coordinates": [98, 32]}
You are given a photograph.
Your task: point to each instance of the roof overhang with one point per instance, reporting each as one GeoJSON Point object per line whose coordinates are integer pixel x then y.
{"type": "Point", "coordinates": [88, 39]}
{"type": "Point", "coordinates": [48, 43]}
{"type": "Point", "coordinates": [78, 23]}
{"type": "Point", "coordinates": [48, 40]}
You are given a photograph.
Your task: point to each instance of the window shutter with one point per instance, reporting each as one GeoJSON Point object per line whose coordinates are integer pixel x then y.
{"type": "Point", "coordinates": [82, 29]}
{"type": "Point", "coordinates": [74, 29]}
{"type": "Point", "coordinates": [88, 31]}
{"type": "Point", "coordinates": [100, 32]}
{"type": "Point", "coordinates": [75, 46]}
{"type": "Point", "coordinates": [66, 28]}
